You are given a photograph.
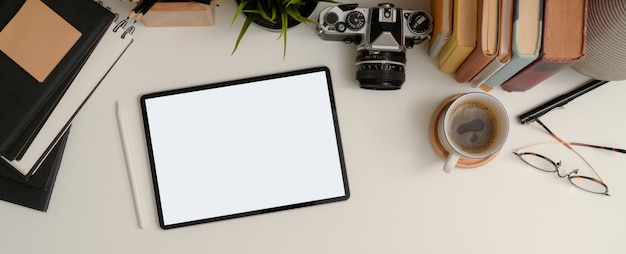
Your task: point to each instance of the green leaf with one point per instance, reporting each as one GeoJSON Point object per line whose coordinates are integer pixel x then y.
{"type": "Point", "coordinates": [283, 32]}
{"type": "Point", "coordinates": [293, 2]}
{"type": "Point", "coordinates": [269, 15]}
{"type": "Point", "coordinates": [244, 28]}
{"type": "Point", "coordinates": [284, 18]}
{"type": "Point", "coordinates": [238, 12]}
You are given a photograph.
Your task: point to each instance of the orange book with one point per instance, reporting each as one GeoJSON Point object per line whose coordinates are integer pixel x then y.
{"type": "Point", "coordinates": [504, 45]}
{"type": "Point", "coordinates": [463, 38]}
{"type": "Point", "coordinates": [486, 41]}
{"type": "Point", "coordinates": [563, 43]}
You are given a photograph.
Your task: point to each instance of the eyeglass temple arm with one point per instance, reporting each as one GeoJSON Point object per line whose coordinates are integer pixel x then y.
{"type": "Point", "coordinates": [619, 150]}
{"type": "Point", "coordinates": [567, 144]}
{"type": "Point", "coordinates": [552, 133]}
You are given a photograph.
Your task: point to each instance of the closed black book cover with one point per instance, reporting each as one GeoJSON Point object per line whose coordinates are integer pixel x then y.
{"type": "Point", "coordinates": [21, 142]}
{"type": "Point", "coordinates": [39, 180]}
{"type": "Point", "coordinates": [26, 101]}
{"type": "Point", "coordinates": [37, 191]}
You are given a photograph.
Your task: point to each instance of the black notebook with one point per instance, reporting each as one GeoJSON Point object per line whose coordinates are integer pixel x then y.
{"type": "Point", "coordinates": [43, 45]}
{"type": "Point", "coordinates": [110, 48]}
{"type": "Point", "coordinates": [35, 192]}
{"type": "Point", "coordinates": [244, 147]}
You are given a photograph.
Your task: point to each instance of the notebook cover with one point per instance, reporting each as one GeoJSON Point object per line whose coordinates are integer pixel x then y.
{"type": "Point", "coordinates": [111, 47]}
{"type": "Point", "coordinates": [24, 100]}
{"type": "Point", "coordinates": [564, 29]}
{"type": "Point", "coordinates": [37, 191]}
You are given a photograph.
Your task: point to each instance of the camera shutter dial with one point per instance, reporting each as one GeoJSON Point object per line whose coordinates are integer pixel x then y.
{"type": "Point", "coordinates": [355, 20]}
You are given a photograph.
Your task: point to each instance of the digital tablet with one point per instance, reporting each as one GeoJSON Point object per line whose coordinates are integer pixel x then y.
{"type": "Point", "coordinates": [244, 147]}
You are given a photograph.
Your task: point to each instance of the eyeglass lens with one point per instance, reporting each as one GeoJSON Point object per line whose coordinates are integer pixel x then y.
{"type": "Point", "coordinates": [589, 184]}
{"type": "Point", "coordinates": [538, 161]}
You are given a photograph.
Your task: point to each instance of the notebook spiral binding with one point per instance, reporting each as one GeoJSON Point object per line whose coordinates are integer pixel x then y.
{"type": "Point", "coordinates": [121, 24]}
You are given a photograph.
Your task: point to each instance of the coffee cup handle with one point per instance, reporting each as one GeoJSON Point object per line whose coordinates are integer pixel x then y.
{"type": "Point", "coordinates": [453, 159]}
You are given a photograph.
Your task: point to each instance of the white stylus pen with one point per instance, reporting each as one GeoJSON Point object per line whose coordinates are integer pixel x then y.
{"type": "Point", "coordinates": [129, 165]}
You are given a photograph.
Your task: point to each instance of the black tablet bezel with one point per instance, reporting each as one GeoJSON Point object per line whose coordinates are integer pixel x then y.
{"type": "Point", "coordinates": [146, 97]}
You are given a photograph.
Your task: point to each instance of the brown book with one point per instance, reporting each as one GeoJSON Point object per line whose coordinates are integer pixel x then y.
{"type": "Point", "coordinates": [503, 54]}
{"type": "Point", "coordinates": [563, 43]}
{"type": "Point", "coordinates": [486, 41]}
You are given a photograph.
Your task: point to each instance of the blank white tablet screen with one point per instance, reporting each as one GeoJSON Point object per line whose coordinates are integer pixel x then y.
{"type": "Point", "coordinates": [244, 147]}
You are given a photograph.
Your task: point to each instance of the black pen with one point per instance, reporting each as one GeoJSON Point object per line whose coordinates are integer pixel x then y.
{"type": "Point", "coordinates": [560, 101]}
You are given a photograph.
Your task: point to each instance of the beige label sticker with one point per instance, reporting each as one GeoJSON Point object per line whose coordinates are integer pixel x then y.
{"type": "Point", "coordinates": [37, 38]}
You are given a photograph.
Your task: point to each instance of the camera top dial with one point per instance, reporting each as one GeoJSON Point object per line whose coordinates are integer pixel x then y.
{"type": "Point", "coordinates": [355, 20]}
{"type": "Point", "coordinates": [420, 22]}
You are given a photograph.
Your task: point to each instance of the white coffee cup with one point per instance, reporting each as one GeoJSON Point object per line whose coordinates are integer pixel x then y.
{"type": "Point", "coordinates": [474, 126]}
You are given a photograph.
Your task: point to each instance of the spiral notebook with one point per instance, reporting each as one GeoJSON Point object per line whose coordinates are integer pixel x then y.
{"type": "Point", "coordinates": [244, 147]}
{"type": "Point", "coordinates": [43, 46]}
{"type": "Point", "coordinates": [107, 52]}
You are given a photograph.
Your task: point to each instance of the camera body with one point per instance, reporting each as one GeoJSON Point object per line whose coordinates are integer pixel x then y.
{"type": "Point", "coordinates": [382, 35]}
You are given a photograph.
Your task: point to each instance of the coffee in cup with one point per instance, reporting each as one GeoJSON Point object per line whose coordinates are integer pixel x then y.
{"type": "Point", "coordinates": [473, 126]}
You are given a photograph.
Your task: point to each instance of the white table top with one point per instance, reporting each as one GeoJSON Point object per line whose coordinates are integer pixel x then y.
{"type": "Point", "coordinates": [401, 201]}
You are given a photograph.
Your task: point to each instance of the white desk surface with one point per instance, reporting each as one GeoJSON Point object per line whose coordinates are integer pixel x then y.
{"type": "Point", "coordinates": [402, 202]}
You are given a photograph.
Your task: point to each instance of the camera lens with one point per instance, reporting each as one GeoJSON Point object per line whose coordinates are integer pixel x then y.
{"type": "Point", "coordinates": [380, 70]}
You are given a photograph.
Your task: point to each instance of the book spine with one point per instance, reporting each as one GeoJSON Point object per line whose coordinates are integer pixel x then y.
{"type": "Point", "coordinates": [438, 42]}
{"type": "Point", "coordinates": [463, 39]}
{"type": "Point", "coordinates": [478, 58]}
{"type": "Point", "coordinates": [517, 63]}
{"type": "Point", "coordinates": [441, 13]}
{"type": "Point", "coordinates": [487, 72]}
{"type": "Point", "coordinates": [533, 74]}
{"type": "Point", "coordinates": [518, 59]}
{"type": "Point", "coordinates": [472, 65]}
{"type": "Point", "coordinates": [452, 55]}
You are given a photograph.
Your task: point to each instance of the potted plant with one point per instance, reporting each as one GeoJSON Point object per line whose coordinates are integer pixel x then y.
{"type": "Point", "coordinates": [275, 15]}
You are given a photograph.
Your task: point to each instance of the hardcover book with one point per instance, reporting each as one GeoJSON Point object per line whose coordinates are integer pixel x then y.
{"type": "Point", "coordinates": [563, 43]}
{"type": "Point", "coordinates": [486, 41]}
{"type": "Point", "coordinates": [525, 41]}
{"type": "Point", "coordinates": [463, 38]}
{"type": "Point", "coordinates": [43, 45]}
{"type": "Point", "coordinates": [504, 45]}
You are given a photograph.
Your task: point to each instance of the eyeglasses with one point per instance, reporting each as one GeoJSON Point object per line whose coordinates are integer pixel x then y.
{"type": "Point", "coordinates": [545, 161]}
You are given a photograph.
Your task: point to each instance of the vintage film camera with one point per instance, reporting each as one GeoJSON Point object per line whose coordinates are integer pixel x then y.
{"type": "Point", "coordinates": [382, 35]}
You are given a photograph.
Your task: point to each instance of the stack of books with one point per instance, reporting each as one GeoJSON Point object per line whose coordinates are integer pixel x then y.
{"type": "Point", "coordinates": [53, 54]}
{"type": "Point", "coordinates": [512, 44]}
